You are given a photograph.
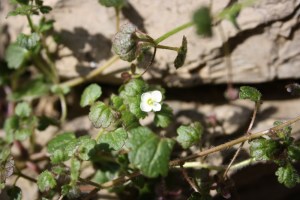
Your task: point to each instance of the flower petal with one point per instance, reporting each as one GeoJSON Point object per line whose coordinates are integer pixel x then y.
{"type": "Point", "coordinates": [156, 95]}
{"type": "Point", "coordinates": [156, 107]}
{"type": "Point", "coordinates": [145, 106]}
{"type": "Point", "coordinates": [146, 96]}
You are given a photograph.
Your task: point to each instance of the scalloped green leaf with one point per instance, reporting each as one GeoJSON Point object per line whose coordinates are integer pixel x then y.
{"type": "Point", "coordinates": [189, 135]}
{"type": "Point", "coordinates": [101, 115]}
{"type": "Point", "coordinates": [28, 41]}
{"type": "Point", "coordinates": [203, 21]}
{"type": "Point", "coordinates": [131, 95]}
{"type": "Point", "coordinates": [46, 181]}
{"type": "Point", "coordinates": [90, 95]}
{"type": "Point", "coordinates": [163, 117]}
{"type": "Point", "coordinates": [294, 152]}
{"type": "Point", "coordinates": [15, 56]}
{"type": "Point", "coordinates": [287, 175]}
{"type": "Point", "coordinates": [148, 152]}
{"type": "Point", "coordinates": [23, 109]}
{"type": "Point", "coordinates": [251, 93]}
{"type": "Point", "coordinates": [181, 54]}
{"type": "Point", "coordinates": [115, 139]}
{"type": "Point", "coordinates": [60, 141]}
{"type": "Point", "coordinates": [263, 149]}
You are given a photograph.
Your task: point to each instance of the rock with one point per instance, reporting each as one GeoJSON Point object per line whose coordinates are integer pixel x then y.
{"type": "Point", "coordinates": [263, 49]}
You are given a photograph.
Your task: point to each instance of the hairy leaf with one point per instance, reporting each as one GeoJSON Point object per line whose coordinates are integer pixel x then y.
{"type": "Point", "coordinates": [189, 135]}
{"type": "Point", "coordinates": [15, 56]}
{"type": "Point", "coordinates": [46, 181]}
{"type": "Point", "coordinates": [287, 175]}
{"type": "Point", "coordinates": [163, 117]}
{"type": "Point", "coordinates": [28, 41]}
{"type": "Point", "coordinates": [60, 141]}
{"type": "Point", "coordinates": [294, 152]}
{"type": "Point", "coordinates": [101, 115]}
{"type": "Point", "coordinates": [131, 95]}
{"type": "Point", "coordinates": [263, 149]}
{"type": "Point", "coordinates": [251, 93]}
{"type": "Point", "coordinates": [115, 139]}
{"type": "Point", "coordinates": [23, 109]}
{"type": "Point", "coordinates": [90, 95]}
{"type": "Point", "coordinates": [148, 152]}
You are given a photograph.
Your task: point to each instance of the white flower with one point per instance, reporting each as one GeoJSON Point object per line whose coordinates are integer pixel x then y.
{"type": "Point", "coordinates": [151, 101]}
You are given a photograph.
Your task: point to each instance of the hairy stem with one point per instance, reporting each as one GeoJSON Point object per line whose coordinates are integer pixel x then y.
{"type": "Point", "coordinates": [167, 47]}
{"type": "Point", "coordinates": [117, 10]}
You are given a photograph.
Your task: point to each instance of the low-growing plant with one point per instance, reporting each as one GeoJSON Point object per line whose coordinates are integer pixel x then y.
{"type": "Point", "coordinates": [125, 155]}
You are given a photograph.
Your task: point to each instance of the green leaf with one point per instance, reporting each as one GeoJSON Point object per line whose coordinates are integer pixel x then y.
{"type": "Point", "coordinates": [129, 121]}
{"type": "Point", "coordinates": [23, 134]}
{"type": "Point", "coordinates": [14, 193]}
{"type": "Point", "coordinates": [131, 95]}
{"type": "Point", "coordinates": [11, 125]}
{"type": "Point", "coordinates": [263, 149]}
{"type": "Point", "coordinates": [115, 139]}
{"type": "Point", "coordinates": [203, 21]}
{"type": "Point", "coordinates": [251, 93]}
{"type": "Point", "coordinates": [85, 147]}
{"type": "Point", "coordinates": [46, 181]}
{"type": "Point", "coordinates": [117, 102]}
{"type": "Point", "coordinates": [285, 132]}
{"type": "Point", "coordinates": [23, 109]}
{"type": "Point", "coordinates": [45, 25]}
{"type": "Point", "coordinates": [90, 95]}
{"type": "Point", "coordinates": [45, 9]}
{"type": "Point", "coordinates": [72, 192]}
{"type": "Point", "coordinates": [107, 174]}
{"type": "Point", "coordinates": [75, 170]}
{"type": "Point", "coordinates": [58, 157]}
{"type": "Point", "coordinates": [148, 152]}
{"type": "Point", "coordinates": [22, 10]}
{"type": "Point", "coordinates": [28, 41]}
{"type": "Point", "coordinates": [294, 152]}
{"type": "Point", "coordinates": [15, 56]}
{"type": "Point", "coordinates": [287, 175]}
{"type": "Point", "coordinates": [189, 135]}
{"type": "Point", "coordinates": [60, 89]}
{"type": "Point", "coordinates": [113, 3]}
{"type": "Point", "coordinates": [163, 117]}
{"type": "Point", "coordinates": [181, 54]}
{"type": "Point", "coordinates": [231, 13]}
{"type": "Point", "coordinates": [59, 142]}
{"type": "Point", "coordinates": [101, 115]}
{"type": "Point", "coordinates": [125, 43]}
{"type": "Point", "coordinates": [30, 90]}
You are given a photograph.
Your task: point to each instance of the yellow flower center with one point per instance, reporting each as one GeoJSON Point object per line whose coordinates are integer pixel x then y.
{"type": "Point", "coordinates": [150, 102]}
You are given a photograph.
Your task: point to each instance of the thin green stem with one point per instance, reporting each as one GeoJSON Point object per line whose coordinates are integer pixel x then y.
{"type": "Point", "coordinates": [30, 23]}
{"type": "Point", "coordinates": [167, 47]}
{"type": "Point", "coordinates": [173, 31]}
{"type": "Point", "coordinates": [64, 109]}
{"type": "Point", "coordinates": [117, 10]}
{"type": "Point", "coordinates": [92, 74]}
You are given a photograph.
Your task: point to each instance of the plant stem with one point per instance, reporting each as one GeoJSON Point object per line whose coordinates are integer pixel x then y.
{"type": "Point", "coordinates": [20, 174]}
{"type": "Point", "coordinates": [257, 104]}
{"type": "Point", "coordinates": [92, 74]}
{"type": "Point", "coordinates": [187, 178]}
{"type": "Point", "coordinates": [167, 47]}
{"type": "Point", "coordinates": [64, 108]}
{"type": "Point", "coordinates": [117, 10]}
{"type": "Point", "coordinates": [30, 23]}
{"type": "Point", "coordinates": [173, 31]}
{"type": "Point", "coordinates": [180, 161]}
